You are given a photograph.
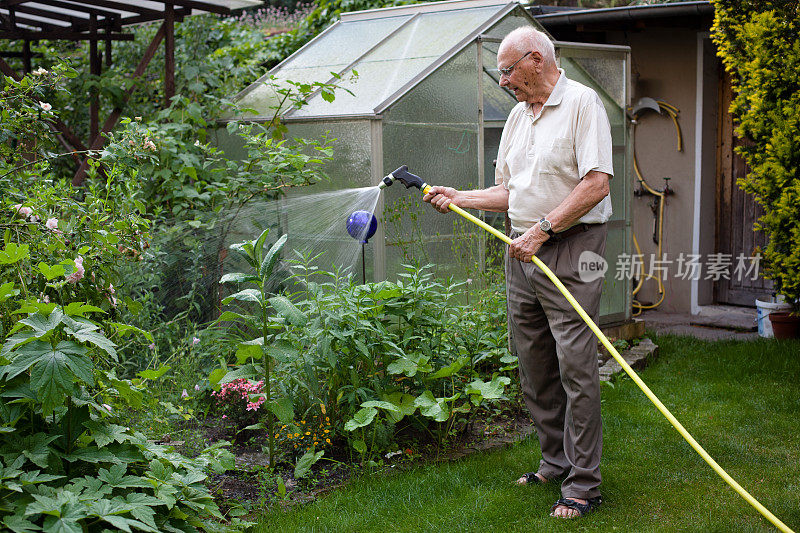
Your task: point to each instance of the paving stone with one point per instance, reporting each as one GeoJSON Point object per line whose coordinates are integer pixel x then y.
{"type": "Point", "coordinates": [636, 356]}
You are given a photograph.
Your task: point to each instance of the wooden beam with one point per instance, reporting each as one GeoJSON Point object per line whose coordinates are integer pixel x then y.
{"type": "Point", "coordinates": [201, 6]}
{"type": "Point", "coordinates": [9, 23]}
{"type": "Point", "coordinates": [113, 118]}
{"type": "Point", "coordinates": [169, 53]}
{"type": "Point", "coordinates": [83, 8]}
{"type": "Point", "coordinates": [51, 15]}
{"type": "Point", "coordinates": [64, 35]}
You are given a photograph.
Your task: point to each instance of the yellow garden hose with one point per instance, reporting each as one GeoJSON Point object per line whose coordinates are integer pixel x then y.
{"type": "Point", "coordinates": [628, 370]}
{"type": "Point", "coordinates": [638, 307]}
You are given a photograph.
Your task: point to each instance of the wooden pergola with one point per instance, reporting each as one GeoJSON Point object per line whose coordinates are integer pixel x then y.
{"type": "Point", "coordinates": [99, 21]}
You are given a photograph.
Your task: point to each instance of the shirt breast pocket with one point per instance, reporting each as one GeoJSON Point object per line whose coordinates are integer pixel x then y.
{"type": "Point", "coordinates": [559, 159]}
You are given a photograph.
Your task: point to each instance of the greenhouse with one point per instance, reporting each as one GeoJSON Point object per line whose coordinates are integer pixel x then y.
{"type": "Point", "coordinates": [419, 87]}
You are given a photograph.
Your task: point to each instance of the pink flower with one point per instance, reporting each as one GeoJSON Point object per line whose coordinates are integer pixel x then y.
{"type": "Point", "coordinates": [76, 276]}
{"type": "Point", "coordinates": [149, 145]}
{"type": "Point", "coordinates": [197, 387]}
{"type": "Point", "coordinates": [195, 341]}
{"type": "Point", "coordinates": [52, 223]}
{"type": "Point", "coordinates": [107, 407]}
{"type": "Point", "coordinates": [184, 394]}
{"type": "Point", "coordinates": [152, 346]}
{"type": "Point", "coordinates": [45, 106]}
{"type": "Point", "coordinates": [224, 416]}
{"type": "Point", "coordinates": [22, 211]}
{"type": "Point", "coordinates": [46, 299]}
{"type": "Point", "coordinates": [111, 289]}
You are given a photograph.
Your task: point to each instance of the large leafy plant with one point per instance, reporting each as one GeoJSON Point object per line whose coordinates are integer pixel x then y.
{"type": "Point", "coordinates": [759, 43]}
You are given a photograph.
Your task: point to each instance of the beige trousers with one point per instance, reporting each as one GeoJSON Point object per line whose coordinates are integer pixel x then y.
{"type": "Point", "coordinates": [558, 360]}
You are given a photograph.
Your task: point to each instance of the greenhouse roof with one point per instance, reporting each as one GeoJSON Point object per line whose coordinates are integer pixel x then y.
{"type": "Point", "coordinates": [375, 56]}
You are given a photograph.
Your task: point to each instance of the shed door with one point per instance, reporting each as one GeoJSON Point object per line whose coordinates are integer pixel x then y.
{"type": "Point", "coordinates": [737, 213]}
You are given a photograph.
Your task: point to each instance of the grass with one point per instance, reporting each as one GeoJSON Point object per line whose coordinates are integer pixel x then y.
{"type": "Point", "coordinates": [740, 400]}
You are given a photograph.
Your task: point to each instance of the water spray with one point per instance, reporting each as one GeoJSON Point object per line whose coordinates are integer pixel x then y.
{"type": "Point", "coordinates": [411, 180]}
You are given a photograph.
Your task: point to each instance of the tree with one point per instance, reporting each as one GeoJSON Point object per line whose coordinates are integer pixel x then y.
{"type": "Point", "coordinates": [759, 43]}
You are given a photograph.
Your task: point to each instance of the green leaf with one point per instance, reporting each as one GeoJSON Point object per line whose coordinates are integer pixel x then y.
{"type": "Point", "coordinates": [105, 433]}
{"type": "Point", "coordinates": [54, 372]}
{"type": "Point", "coordinates": [430, 407]}
{"type": "Point", "coordinates": [243, 372]}
{"type": "Point", "coordinates": [258, 244]}
{"type": "Point", "coordinates": [42, 325]}
{"type": "Point", "coordinates": [285, 308]}
{"type": "Point", "coordinates": [360, 446]}
{"type": "Point", "coordinates": [115, 477]}
{"type": "Point", "coordinates": [81, 308]}
{"type": "Point", "coordinates": [305, 463]}
{"type": "Point", "coordinates": [449, 370]}
{"type": "Point", "coordinates": [51, 272]}
{"type": "Point", "coordinates": [382, 405]}
{"type": "Point", "coordinates": [216, 375]}
{"type": "Point", "coordinates": [13, 253]}
{"type": "Point", "coordinates": [154, 374]}
{"type": "Point", "coordinates": [268, 264]}
{"type": "Point", "coordinates": [124, 329]}
{"type": "Point", "coordinates": [7, 291]}
{"type": "Point", "coordinates": [238, 277]}
{"type": "Point", "coordinates": [246, 295]}
{"type": "Point", "coordinates": [404, 402]}
{"type": "Point", "coordinates": [84, 330]}
{"type": "Point", "coordinates": [480, 390]}
{"type": "Point", "coordinates": [283, 409]}
{"type": "Point", "coordinates": [363, 417]}
{"type": "Point", "coordinates": [283, 351]}
{"type": "Point", "coordinates": [245, 352]}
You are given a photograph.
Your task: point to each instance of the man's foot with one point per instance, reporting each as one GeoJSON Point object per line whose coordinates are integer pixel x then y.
{"type": "Point", "coordinates": [532, 478]}
{"type": "Point", "coordinates": [574, 507]}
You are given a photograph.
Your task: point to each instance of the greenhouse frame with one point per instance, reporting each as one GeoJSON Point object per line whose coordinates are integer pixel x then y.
{"type": "Point", "coordinates": [419, 87]}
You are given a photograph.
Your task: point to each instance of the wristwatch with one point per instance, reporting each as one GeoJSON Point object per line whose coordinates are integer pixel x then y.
{"type": "Point", "coordinates": [546, 227]}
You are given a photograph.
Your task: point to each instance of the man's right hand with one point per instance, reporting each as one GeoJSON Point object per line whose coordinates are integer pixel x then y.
{"type": "Point", "coordinates": [441, 198]}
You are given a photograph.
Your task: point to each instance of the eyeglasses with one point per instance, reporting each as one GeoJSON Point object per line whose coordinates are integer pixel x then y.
{"type": "Point", "coordinates": [508, 70]}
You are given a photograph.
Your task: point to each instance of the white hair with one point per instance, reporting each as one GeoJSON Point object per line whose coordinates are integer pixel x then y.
{"type": "Point", "coordinates": [527, 38]}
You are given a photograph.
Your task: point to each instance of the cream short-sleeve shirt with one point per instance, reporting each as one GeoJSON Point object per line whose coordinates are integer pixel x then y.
{"type": "Point", "coordinates": [542, 159]}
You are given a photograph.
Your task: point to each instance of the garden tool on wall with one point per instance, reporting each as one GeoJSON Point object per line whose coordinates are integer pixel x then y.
{"type": "Point", "coordinates": [659, 197]}
{"type": "Point", "coordinates": [410, 180]}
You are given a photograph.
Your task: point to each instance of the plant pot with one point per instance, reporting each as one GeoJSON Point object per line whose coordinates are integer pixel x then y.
{"type": "Point", "coordinates": [785, 325]}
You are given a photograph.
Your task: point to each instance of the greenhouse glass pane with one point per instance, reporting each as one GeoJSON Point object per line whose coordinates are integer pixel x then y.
{"type": "Point", "coordinates": [441, 156]}
{"type": "Point", "coordinates": [517, 18]}
{"type": "Point", "coordinates": [399, 59]}
{"type": "Point", "coordinates": [608, 73]}
{"type": "Point", "coordinates": [344, 43]}
{"type": "Point", "coordinates": [350, 140]}
{"type": "Point", "coordinates": [613, 299]}
{"type": "Point", "coordinates": [448, 96]}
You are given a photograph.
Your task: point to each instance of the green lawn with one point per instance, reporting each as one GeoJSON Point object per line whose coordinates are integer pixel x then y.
{"type": "Point", "coordinates": [741, 401]}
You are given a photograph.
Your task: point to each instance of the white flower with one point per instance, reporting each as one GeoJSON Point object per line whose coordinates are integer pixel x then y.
{"type": "Point", "coordinates": [184, 394]}
{"type": "Point", "coordinates": [45, 106]}
{"type": "Point", "coordinates": [392, 454]}
{"type": "Point", "coordinates": [52, 223]}
{"type": "Point", "coordinates": [152, 346]}
{"type": "Point", "coordinates": [46, 299]}
{"type": "Point", "coordinates": [197, 142]}
{"type": "Point", "coordinates": [195, 341]}
{"type": "Point", "coordinates": [76, 276]}
{"type": "Point", "coordinates": [22, 210]}
{"type": "Point", "coordinates": [39, 72]}
{"type": "Point", "coordinates": [197, 387]}
{"type": "Point", "coordinates": [111, 289]}
{"type": "Point", "coordinates": [150, 145]}
{"type": "Point", "coordinates": [137, 119]}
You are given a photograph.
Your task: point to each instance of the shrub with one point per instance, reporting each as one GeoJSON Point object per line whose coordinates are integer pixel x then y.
{"type": "Point", "coordinates": [760, 46]}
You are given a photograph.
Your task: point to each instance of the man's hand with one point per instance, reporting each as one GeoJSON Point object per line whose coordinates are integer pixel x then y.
{"type": "Point", "coordinates": [524, 247]}
{"type": "Point", "coordinates": [441, 198]}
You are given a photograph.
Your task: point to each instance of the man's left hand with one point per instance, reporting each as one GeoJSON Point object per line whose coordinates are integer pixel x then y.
{"type": "Point", "coordinates": [524, 247]}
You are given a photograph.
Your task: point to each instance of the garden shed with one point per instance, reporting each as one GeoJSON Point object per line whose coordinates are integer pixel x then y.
{"type": "Point", "coordinates": [420, 88]}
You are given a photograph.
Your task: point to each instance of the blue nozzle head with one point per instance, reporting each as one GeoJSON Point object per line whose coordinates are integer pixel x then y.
{"type": "Point", "coordinates": [362, 225]}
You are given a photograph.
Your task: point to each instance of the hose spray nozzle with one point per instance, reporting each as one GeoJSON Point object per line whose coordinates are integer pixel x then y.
{"type": "Point", "coordinates": [405, 177]}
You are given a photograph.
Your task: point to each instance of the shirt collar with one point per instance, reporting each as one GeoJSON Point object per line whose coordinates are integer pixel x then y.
{"type": "Point", "coordinates": [557, 94]}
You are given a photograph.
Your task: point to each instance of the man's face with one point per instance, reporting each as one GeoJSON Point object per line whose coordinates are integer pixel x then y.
{"type": "Point", "coordinates": [517, 71]}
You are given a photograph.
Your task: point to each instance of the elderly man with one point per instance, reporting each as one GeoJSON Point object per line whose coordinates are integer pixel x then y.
{"type": "Point", "coordinates": [552, 177]}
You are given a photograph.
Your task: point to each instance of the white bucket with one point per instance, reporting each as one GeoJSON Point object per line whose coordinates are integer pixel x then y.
{"type": "Point", "coordinates": [763, 310]}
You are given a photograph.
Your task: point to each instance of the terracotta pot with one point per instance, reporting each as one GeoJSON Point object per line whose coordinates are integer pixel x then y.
{"type": "Point", "coordinates": [785, 325]}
